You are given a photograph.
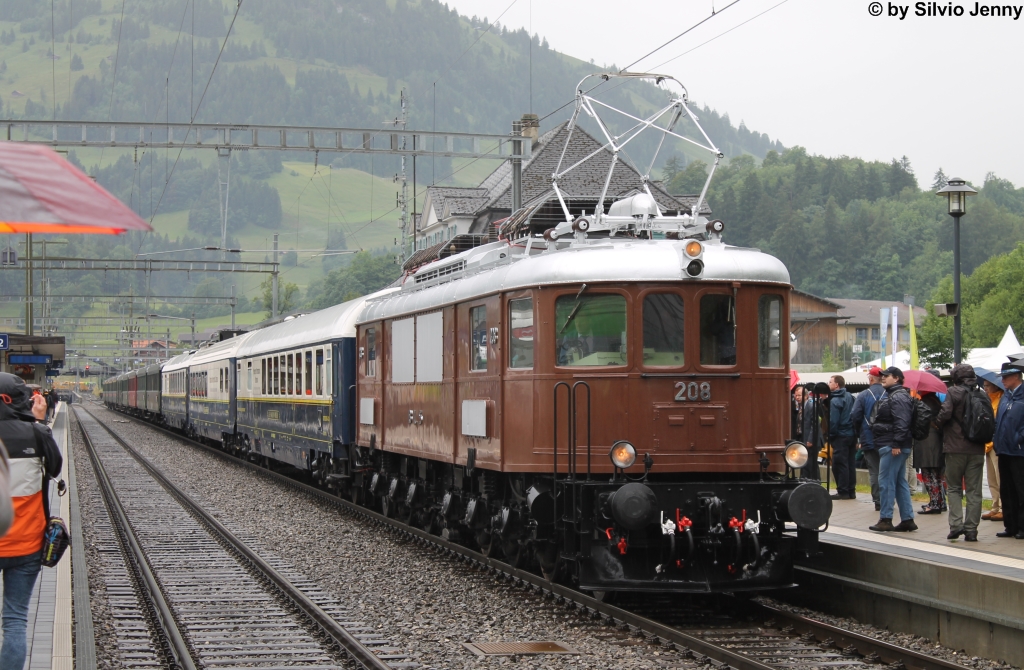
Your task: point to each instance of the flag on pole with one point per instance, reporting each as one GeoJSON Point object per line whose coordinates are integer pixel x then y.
{"type": "Point", "coordinates": [915, 362]}
{"type": "Point", "coordinates": [883, 328]}
{"type": "Point", "coordinates": [895, 333]}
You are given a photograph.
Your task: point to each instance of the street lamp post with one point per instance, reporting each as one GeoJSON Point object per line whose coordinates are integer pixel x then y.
{"type": "Point", "coordinates": [956, 192]}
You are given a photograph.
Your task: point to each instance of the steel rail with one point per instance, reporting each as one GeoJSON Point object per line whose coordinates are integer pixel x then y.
{"type": "Point", "coordinates": [824, 633]}
{"type": "Point", "coordinates": [356, 649]}
{"type": "Point", "coordinates": [174, 646]}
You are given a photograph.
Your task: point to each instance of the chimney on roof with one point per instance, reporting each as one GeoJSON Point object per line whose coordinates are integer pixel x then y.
{"type": "Point", "coordinates": [530, 124]}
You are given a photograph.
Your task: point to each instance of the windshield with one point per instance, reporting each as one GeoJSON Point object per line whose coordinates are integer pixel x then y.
{"type": "Point", "coordinates": [596, 332]}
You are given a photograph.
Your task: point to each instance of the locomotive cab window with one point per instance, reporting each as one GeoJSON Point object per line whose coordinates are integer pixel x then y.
{"type": "Point", "coordinates": [520, 333]}
{"type": "Point", "coordinates": [769, 331]}
{"type": "Point", "coordinates": [717, 329]}
{"type": "Point", "coordinates": [663, 330]}
{"type": "Point", "coordinates": [590, 330]}
{"type": "Point", "coordinates": [478, 338]}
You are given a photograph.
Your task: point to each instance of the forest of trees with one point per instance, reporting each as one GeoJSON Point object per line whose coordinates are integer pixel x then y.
{"type": "Point", "coordinates": [849, 228]}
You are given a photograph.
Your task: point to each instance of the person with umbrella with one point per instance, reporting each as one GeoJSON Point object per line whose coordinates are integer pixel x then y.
{"type": "Point", "coordinates": [1009, 445]}
{"type": "Point", "coordinates": [994, 388]}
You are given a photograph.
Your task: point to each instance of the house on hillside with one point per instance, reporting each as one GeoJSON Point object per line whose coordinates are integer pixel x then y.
{"type": "Point", "coordinates": [449, 212]}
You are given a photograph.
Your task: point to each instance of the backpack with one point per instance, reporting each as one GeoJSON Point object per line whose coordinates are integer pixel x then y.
{"type": "Point", "coordinates": [920, 417]}
{"type": "Point", "coordinates": [979, 421]}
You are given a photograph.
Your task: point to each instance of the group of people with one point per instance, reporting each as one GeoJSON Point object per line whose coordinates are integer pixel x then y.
{"type": "Point", "coordinates": [950, 454]}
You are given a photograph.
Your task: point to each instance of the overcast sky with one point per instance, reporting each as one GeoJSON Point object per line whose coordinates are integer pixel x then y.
{"type": "Point", "coordinates": [824, 74]}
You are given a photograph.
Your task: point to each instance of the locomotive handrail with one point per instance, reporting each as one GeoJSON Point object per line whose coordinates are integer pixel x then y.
{"type": "Point", "coordinates": [574, 422]}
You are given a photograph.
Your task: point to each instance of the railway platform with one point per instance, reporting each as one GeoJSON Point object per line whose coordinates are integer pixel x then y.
{"type": "Point", "coordinates": [965, 595]}
{"type": "Point", "coordinates": [49, 616]}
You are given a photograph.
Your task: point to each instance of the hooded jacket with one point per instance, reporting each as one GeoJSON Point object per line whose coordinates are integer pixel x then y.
{"type": "Point", "coordinates": [892, 420]}
{"type": "Point", "coordinates": [33, 454]}
{"type": "Point", "coordinates": [1009, 438]}
{"type": "Point", "coordinates": [952, 413]}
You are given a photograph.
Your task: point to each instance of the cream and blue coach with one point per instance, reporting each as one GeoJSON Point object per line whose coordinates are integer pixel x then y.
{"type": "Point", "coordinates": [296, 393]}
{"type": "Point", "coordinates": [211, 383]}
{"type": "Point", "coordinates": [174, 391]}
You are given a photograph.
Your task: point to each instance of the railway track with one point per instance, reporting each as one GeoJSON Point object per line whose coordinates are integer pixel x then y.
{"type": "Point", "coordinates": [749, 636]}
{"type": "Point", "coordinates": [192, 594]}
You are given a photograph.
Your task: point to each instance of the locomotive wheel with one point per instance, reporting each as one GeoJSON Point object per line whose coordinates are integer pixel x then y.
{"type": "Point", "coordinates": [515, 552]}
{"type": "Point", "coordinates": [490, 544]}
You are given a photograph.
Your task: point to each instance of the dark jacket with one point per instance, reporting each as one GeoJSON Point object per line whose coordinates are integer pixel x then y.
{"type": "Point", "coordinates": [892, 420]}
{"type": "Point", "coordinates": [840, 411]}
{"type": "Point", "coordinates": [952, 413]}
{"type": "Point", "coordinates": [34, 457]}
{"type": "Point", "coordinates": [862, 410]}
{"type": "Point", "coordinates": [809, 428]}
{"type": "Point", "coordinates": [928, 452]}
{"type": "Point", "coordinates": [1009, 438]}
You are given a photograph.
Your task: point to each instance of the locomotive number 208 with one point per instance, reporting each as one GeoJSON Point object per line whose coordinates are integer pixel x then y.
{"type": "Point", "coordinates": [693, 391]}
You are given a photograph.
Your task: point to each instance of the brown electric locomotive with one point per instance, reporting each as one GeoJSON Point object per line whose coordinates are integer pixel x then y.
{"type": "Point", "coordinates": [605, 399]}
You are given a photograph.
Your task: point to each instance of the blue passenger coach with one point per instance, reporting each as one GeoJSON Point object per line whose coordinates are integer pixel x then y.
{"type": "Point", "coordinates": [211, 390]}
{"type": "Point", "coordinates": [296, 395]}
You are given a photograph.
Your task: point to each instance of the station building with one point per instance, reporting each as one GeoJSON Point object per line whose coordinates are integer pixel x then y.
{"type": "Point", "coordinates": [33, 358]}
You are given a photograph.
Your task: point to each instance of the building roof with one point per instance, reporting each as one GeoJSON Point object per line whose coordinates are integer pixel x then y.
{"type": "Point", "coordinates": [455, 201]}
{"type": "Point", "coordinates": [585, 181]}
{"type": "Point", "coordinates": [866, 312]}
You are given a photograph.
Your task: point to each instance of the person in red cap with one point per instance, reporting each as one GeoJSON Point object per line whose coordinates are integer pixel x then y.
{"type": "Point", "coordinates": [861, 411]}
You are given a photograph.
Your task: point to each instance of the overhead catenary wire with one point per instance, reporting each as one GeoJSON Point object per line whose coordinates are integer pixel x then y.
{"type": "Point", "coordinates": [113, 78]}
{"type": "Point", "coordinates": [192, 118]}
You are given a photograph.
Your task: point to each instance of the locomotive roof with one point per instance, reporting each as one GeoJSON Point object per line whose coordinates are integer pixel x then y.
{"type": "Point", "coordinates": [221, 351]}
{"type": "Point", "coordinates": [178, 362]}
{"type": "Point", "coordinates": [326, 324]}
{"type": "Point", "coordinates": [501, 266]}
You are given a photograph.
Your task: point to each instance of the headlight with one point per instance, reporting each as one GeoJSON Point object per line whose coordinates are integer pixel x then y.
{"type": "Point", "coordinates": [693, 249]}
{"type": "Point", "coordinates": [796, 455]}
{"type": "Point", "coordinates": [623, 454]}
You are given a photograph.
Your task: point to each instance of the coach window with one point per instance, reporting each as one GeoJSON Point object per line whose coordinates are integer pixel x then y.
{"type": "Point", "coordinates": [330, 373]}
{"type": "Point", "coordinates": [478, 338]}
{"type": "Point", "coordinates": [298, 373]}
{"type": "Point", "coordinates": [520, 333]}
{"type": "Point", "coordinates": [663, 330]}
{"type": "Point", "coordinates": [248, 376]}
{"type": "Point", "coordinates": [276, 375]}
{"type": "Point", "coordinates": [717, 329]}
{"type": "Point", "coordinates": [590, 330]}
{"type": "Point", "coordinates": [263, 376]}
{"type": "Point", "coordinates": [371, 352]}
{"type": "Point", "coordinates": [291, 374]}
{"type": "Point", "coordinates": [319, 371]}
{"type": "Point", "coordinates": [284, 372]}
{"type": "Point", "coordinates": [769, 331]}
{"type": "Point", "coordinates": [309, 373]}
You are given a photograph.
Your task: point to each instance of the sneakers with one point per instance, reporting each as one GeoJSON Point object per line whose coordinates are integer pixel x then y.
{"type": "Point", "coordinates": [905, 526]}
{"type": "Point", "coordinates": [883, 526]}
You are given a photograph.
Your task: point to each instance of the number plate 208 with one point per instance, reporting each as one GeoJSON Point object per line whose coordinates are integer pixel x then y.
{"type": "Point", "coordinates": [692, 391]}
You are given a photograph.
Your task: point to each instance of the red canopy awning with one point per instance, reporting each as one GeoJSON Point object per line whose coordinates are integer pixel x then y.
{"type": "Point", "coordinates": [40, 192]}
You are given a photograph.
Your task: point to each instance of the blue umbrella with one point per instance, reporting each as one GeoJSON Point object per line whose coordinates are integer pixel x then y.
{"type": "Point", "coordinates": [989, 376]}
